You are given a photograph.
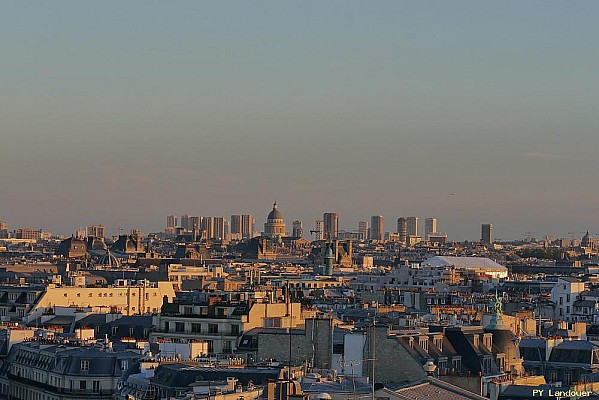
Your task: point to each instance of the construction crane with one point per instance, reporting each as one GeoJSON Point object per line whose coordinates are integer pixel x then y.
{"type": "Point", "coordinates": [575, 235]}
{"type": "Point", "coordinates": [529, 235]}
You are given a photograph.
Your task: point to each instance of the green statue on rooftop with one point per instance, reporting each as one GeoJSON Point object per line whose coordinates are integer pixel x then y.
{"type": "Point", "coordinates": [497, 304]}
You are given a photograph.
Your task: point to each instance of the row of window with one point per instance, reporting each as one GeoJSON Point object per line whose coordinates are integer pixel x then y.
{"type": "Point", "coordinates": [121, 294]}
{"type": "Point", "coordinates": [182, 327]}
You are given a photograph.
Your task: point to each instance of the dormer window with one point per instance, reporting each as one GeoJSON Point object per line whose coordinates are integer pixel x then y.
{"type": "Point", "coordinates": [84, 365]}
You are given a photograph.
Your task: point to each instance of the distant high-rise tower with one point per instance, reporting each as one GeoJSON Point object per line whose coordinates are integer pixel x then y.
{"type": "Point", "coordinates": [171, 225]}
{"type": "Point", "coordinates": [190, 223]}
{"type": "Point", "coordinates": [402, 229]}
{"type": "Point", "coordinates": [3, 230]}
{"type": "Point", "coordinates": [171, 221]}
{"type": "Point", "coordinates": [298, 231]}
{"type": "Point", "coordinates": [194, 224]}
{"type": "Point", "coordinates": [247, 226]}
{"type": "Point", "coordinates": [377, 227]}
{"type": "Point", "coordinates": [487, 233]}
{"type": "Point", "coordinates": [184, 221]}
{"type": "Point", "coordinates": [430, 226]}
{"type": "Point", "coordinates": [242, 226]}
{"type": "Point", "coordinates": [236, 226]}
{"type": "Point", "coordinates": [207, 227]}
{"type": "Point", "coordinates": [221, 228]}
{"type": "Point", "coordinates": [318, 229]}
{"type": "Point", "coordinates": [412, 226]}
{"type": "Point", "coordinates": [363, 230]}
{"type": "Point", "coordinates": [331, 225]}
{"type": "Point", "coordinates": [95, 231]}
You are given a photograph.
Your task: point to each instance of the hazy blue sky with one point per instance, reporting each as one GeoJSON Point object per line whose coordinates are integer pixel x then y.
{"type": "Point", "coordinates": [123, 112]}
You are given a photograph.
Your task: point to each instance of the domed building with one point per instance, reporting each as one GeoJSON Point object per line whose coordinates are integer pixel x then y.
{"type": "Point", "coordinates": [588, 241]}
{"type": "Point", "coordinates": [72, 247]}
{"type": "Point", "coordinates": [505, 343]}
{"type": "Point", "coordinates": [108, 260]}
{"type": "Point", "coordinates": [275, 224]}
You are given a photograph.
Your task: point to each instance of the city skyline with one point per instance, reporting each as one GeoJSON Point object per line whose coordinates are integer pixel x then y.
{"type": "Point", "coordinates": [120, 114]}
{"type": "Point", "coordinates": [345, 226]}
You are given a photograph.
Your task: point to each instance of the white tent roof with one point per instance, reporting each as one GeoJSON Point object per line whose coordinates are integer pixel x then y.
{"type": "Point", "coordinates": [464, 262]}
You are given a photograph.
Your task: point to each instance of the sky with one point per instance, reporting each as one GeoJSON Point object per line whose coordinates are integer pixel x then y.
{"type": "Point", "coordinates": [469, 111]}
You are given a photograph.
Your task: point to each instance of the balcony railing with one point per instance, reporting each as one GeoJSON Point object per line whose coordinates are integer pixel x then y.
{"type": "Point", "coordinates": [199, 333]}
{"type": "Point", "coordinates": [76, 393]}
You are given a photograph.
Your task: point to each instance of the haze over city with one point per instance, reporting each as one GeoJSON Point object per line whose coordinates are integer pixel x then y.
{"type": "Point", "coordinates": [121, 113]}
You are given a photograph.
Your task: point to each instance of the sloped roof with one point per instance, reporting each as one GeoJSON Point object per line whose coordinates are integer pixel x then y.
{"type": "Point", "coordinates": [433, 389]}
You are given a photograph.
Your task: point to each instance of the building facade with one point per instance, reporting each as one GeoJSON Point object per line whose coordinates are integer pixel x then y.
{"type": "Point", "coordinates": [363, 230]}
{"type": "Point", "coordinates": [275, 224]}
{"type": "Point", "coordinates": [377, 227]}
{"type": "Point", "coordinates": [55, 372]}
{"type": "Point", "coordinates": [430, 227]}
{"type": "Point", "coordinates": [487, 233]}
{"type": "Point", "coordinates": [331, 225]}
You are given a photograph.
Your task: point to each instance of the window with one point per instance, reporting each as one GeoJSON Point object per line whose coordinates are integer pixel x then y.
{"type": "Point", "coordinates": [561, 300]}
{"type": "Point", "coordinates": [187, 310]}
{"type": "Point", "coordinates": [235, 329]}
{"type": "Point", "coordinates": [82, 385]}
{"type": "Point", "coordinates": [501, 363]}
{"type": "Point", "coordinates": [167, 328]}
{"type": "Point", "coordinates": [196, 328]}
{"type": "Point", "coordinates": [124, 364]}
{"type": "Point", "coordinates": [486, 365]}
{"type": "Point", "coordinates": [96, 386]}
{"type": "Point", "coordinates": [179, 327]}
{"type": "Point", "coordinates": [227, 346]}
{"type": "Point", "coordinates": [212, 328]}
{"type": "Point", "coordinates": [568, 298]}
{"type": "Point", "coordinates": [568, 377]}
{"type": "Point", "coordinates": [442, 365]}
{"type": "Point", "coordinates": [84, 365]}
